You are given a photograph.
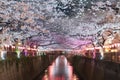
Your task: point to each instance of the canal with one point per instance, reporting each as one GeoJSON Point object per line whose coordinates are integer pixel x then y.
{"type": "Point", "coordinates": [60, 69]}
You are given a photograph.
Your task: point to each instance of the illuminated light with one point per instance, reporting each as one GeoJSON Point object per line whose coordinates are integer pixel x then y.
{"type": "Point", "coordinates": [18, 53]}
{"type": "Point", "coordinates": [19, 43]}
{"type": "Point", "coordinates": [112, 50]}
{"type": "Point", "coordinates": [29, 48]}
{"type": "Point", "coordinates": [92, 48]}
{"type": "Point", "coordinates": [5, 45]}
{"type": "Point", "coordinates": [38, 50]}
{"type": "Point", "coordinates": [33, 49]}
{"type": "Point", "coordinates": [8, 46]}
{"type": "Point", "coordinates": [3, 53]}
{"type": "Point", "coordinates": [116, 50]}
{"type": "Point", "coordinates": [109, 46]}
{"type": "Point", "coordinates": [119, 45]}
{"type": "Point", "coordinates": [13, 46]}
{"type": "Point", "coordinates": [97, 47]}
{"type": "Point", "coordinates": [102, 53]}
{"type": "Point", "coordinates": [103, 46]}
{"type": "Point", "coordinates": [34, 46]}
{"type": "Point", "coordinates": [106, 50]}
{"type": "Point", "coordinates": [115, 45]}
{"type": "Point", "coordinates": [21, 47]}
{"type": "Point", "coordinates": [112, 45]}
{"type": "Point", "coordinates": [89, 48]}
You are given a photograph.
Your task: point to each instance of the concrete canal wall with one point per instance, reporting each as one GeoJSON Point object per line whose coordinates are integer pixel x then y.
{"type": "Point", "coordinates": [91, 69]}
{"type": "Point", "coordinates": [26, 68]}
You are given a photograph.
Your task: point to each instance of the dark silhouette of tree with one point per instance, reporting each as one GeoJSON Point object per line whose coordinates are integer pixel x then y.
{"type": "Point", "coordinates": [70, 9]}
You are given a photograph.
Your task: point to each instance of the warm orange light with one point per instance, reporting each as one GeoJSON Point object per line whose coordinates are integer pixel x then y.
{"type": "Point", "coordinates": [114, 50]}
{"type": "Point", "coordinates": [28, 48]}
{"type": "Point", "coordinates": [106, 50]}
{"type": "Point", "coordinates": [19, 43]}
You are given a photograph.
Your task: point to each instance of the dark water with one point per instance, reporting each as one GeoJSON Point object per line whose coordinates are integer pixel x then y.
{"type": "Point", "coordinates": [60, 70]}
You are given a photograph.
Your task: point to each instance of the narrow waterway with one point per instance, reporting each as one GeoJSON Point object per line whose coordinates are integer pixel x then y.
{"type": "Point", "coordinates": [60, 70]}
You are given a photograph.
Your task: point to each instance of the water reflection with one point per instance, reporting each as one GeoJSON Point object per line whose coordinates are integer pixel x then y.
{"type": "Point", "coordinates": [60, 70]}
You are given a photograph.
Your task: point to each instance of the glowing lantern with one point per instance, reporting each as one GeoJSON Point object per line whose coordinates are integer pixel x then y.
{"type": "Point", "coordinates": [106, 50]}
{"type": "Point", "coordinates": [18, 52]}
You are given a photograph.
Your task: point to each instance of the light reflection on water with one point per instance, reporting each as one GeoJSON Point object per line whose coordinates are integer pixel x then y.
{"type": "Point", "coordinates": [60, 70]}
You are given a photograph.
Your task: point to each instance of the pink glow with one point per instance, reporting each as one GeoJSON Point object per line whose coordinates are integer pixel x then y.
{"type": "Point", "coordinates": [60, 70]}
{"type": "Point", "coordinates": [69, 42]}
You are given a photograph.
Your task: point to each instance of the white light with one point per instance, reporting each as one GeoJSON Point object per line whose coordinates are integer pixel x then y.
{"type": "Point", "coordinates": [3, 53]}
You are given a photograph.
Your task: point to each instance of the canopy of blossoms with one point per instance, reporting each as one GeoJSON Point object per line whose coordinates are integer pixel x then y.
{"type": "Point", "coordinates": [63, 24]}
